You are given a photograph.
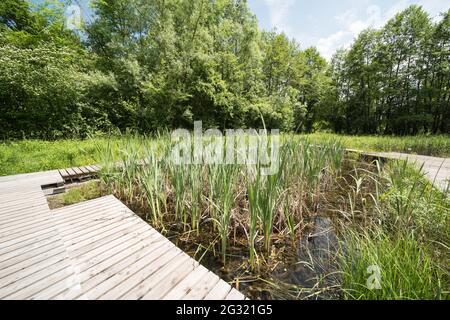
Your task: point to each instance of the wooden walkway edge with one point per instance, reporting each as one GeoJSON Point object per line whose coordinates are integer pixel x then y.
{"type": "Point", "coordinates": [436, 169]}
{"type": "Point", "coordinates": [98, 249]}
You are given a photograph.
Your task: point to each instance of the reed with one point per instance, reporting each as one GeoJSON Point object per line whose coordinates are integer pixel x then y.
{"type": "Point", "coordinates": [394, 218]}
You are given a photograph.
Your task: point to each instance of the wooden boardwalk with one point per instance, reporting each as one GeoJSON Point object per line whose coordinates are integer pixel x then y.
{"type": "Point", "coordinates": [437, 170]}
{"type": "Point", "coordinates": [79, 173]}
{"type": "Point", "coordinates": [97, 249]}
{"type": "Point", "coordinates": [46, 178]}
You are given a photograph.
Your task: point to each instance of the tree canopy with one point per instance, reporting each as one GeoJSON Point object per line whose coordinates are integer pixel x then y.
{"type": "Point", "coordinates": [147, 65]}
{"type": "Point", "coordinates": [394, 80]}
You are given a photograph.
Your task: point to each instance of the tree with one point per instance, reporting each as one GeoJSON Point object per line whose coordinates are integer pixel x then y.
{"type": "Point", "coordinates": [394, 80]}
{"type": "Point", "coordinates": [147, 65]}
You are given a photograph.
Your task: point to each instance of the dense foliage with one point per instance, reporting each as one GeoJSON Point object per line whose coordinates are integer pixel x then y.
{"type": "Point", "coordinates": [150, 64]}
{"type": "Point", "coordinates": [395, 80]}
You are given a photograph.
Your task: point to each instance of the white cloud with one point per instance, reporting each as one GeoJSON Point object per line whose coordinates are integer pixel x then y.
{"type": "Point", "coordinates": [351, 25]}
{"type": "Point", "coordinates": [328, 45]}
{"type": "Point", "coordinates": [278, 12]}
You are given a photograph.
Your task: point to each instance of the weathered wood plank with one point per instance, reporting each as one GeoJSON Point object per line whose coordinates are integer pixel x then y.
{"type": "Point", "coordinates": [235, 295]}
{"type": "Point", "coordinates": [183, 288]}
{"type": "Point", "coordinates": [84, 170]}
{"type": "Point", "coordinates": [98, 249]}
{"type": "Point", "coordinates": [155, 276]}
{"type": "Point", "coordinates": [203, 287]}
{"type": "Point", "coordinates": [219, 292]}
{"type": "Point", "coordinates": [166, 280]}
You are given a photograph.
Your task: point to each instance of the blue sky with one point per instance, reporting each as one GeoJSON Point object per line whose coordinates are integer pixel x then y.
{"type": "Point", "coordinates": [330, 24]}
{"type": "Point", "coordinates": [325, 24]}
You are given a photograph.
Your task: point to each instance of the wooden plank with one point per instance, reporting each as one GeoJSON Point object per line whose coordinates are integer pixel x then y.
{"type": "Point", "coordinates": [77, 171]}
{"type": "Point", "coordinates": [96, 167]}
{"type": "Point", "coordinates": [36, 178]}
{"type": "Point", "coordinates": [11, 199]}
{"type": "Point", "coordinates": [8, 269]}
{"type": "Point", "coordinates": [105, 200]}
{"type": "Point", "coordinates": [183, 288]}
{"type": "Point", "coordinates": [128, 242]}
{"type": "Point", "coordinates": [23, 213]}
{"type": "Point", "coordinates": [235, 295]}
{"type": "Point", "coordinates": [160, 254]}
{"type": "Point", "coordinates": [92, 169]}
{"type": "Point", "coordinates": [11, 235]}
{"type": "Point", "coordinates": [16, 202]}
{"type": "Point", "coordinates": [25, 254]}
{"type": "Point", "coordinates": [201, 289]}
{"type": "Point", "coordinates": [64, 173]}
{"type": "Point", "coordinates": [15, 206]}
{"type": "Point", "coordinates": [18, 225]}
{"type": "Point", "coordinates": [219, 291]}
{"type": "Point", "coordinates": [137, 280]}
{"type": "Point", "coordinates": [20, 193]}
{"type": "Point", "coordinates": [58, 283]}
{"type": "Point", "coordinates": [30, 275]}
{"type": "Point", "coordinates": [84, 170]}
{"type": "Point", "coordinates": [30, 247]}
{"type": "Point", "coordinates": [89, 243]}
{"type": "Point", "coordinates": [92, 212]}
{"type": "Point", "coordinates": [90, 226]}
{"type": "Point", "coordinates": [116, 254]}
{"type": "Point", "coordinates": [71, 172]}
{"type": "Point", "coordinates": [93, 277]}
{"type": "Point", "coordinates": [64, 211]}
{"type": "Point", "coordinates": [163, 283]}
{"type": "Point", "coordinates": [28, 242]}
{"type": "Point", "coordinates": [176, 264]}
{"type": "Point", "coordinates": [26, 292]}
{"type": "Point", "coordinates": [5, 194]}
{"type": "Point", "coordinates": [106, 250]}
{"type": "Point", "coordinates": [9, 244]}
{"type": "Point", "coordinates": [69, 221]}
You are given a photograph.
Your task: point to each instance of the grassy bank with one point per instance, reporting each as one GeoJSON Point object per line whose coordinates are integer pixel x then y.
{"type": "Point", "coordinates": [438, 146]}
{"type": "Point", "coordinates": [402, 235]}
{"type": "Point", "coordinates": [37, 155]}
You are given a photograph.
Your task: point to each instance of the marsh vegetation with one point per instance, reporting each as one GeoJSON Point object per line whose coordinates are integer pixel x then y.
{"type": "Point", "coordinates": [311, 230]}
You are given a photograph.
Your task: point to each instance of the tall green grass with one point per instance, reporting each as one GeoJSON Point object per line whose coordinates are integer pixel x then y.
{"type": "Point", "coordinates": [203, 197]}
{"type": "Point", "coordinates": [404, 233]}
{"type": "Point", "coordinates": [407, 269]}
{"type": "Point", "coordinates": [221, 194]}
{"type": "Point", "coordinates": [36, 155]}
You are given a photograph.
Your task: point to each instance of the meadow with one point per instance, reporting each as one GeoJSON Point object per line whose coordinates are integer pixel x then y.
{"type": "Point", "coordinates": [23, 156]}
